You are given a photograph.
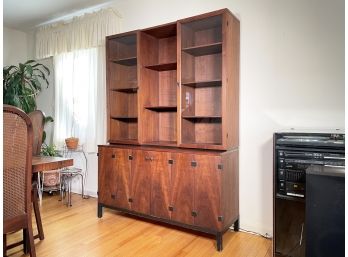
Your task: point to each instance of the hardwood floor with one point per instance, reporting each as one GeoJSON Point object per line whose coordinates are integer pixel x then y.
{"type": "Point", "coordinates": [76, 231]}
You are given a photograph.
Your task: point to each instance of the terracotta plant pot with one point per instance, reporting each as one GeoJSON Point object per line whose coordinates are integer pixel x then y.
{"type": "Point", "coordinates": [71, 142]}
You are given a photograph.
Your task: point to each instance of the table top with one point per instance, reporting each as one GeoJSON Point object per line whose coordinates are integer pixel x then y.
{"type": "Point", "coordinates": [43, 163]}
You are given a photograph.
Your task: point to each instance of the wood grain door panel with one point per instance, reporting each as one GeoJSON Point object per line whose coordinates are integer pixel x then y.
{"type": "Point", "coordinates": [182, 188]}
{"type": "Point", "coordinates": [141, 181]}
{"type": "Point", "coordinates": [106, 177]}
{"type": "Point", "coordinates": [122, 169]}
{"type": "Point", "coordinates": [207, 191]}
{"type": "Point", "coordinates": [160, 184]}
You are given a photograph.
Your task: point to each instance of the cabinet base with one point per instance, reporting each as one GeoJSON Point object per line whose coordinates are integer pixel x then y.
{"type": "Point", "coordinates": [218, 234]}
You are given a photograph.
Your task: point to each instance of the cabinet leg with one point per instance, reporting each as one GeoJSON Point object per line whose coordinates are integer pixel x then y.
{"type": "Point", "coordinates": [100, 210]}
{"type": "Point", "coordinates": [236, 225]}
{"type": "Point", "coordinates": [219, 242]}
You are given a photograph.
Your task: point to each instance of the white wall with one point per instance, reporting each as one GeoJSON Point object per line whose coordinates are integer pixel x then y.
{"type": "Point", "coordinates": [292, 75]}
{"type": "Point", "coordinates": [15, 46]}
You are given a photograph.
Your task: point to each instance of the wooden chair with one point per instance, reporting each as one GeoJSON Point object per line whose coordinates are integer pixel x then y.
{"type": "Point", "coordinates": [38, 120]}
{"type": "Point", "coordinates": [17, 175]}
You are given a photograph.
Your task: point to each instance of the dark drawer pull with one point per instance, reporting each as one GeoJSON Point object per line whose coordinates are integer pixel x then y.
{"type": "Point", "coordinates": [171, 208]}
{"type": "Point", "coordinates": [194, 213]}
{"type": "Point", "coordinates": [130, 200]}
{"type": "Point", "coordinates": [113, 197]}
{"type": "Point", "coordinates": [194, 164]}
{"type": "Point", "coordinates": [113, 156]}
{"type": "Point", "coordinates": [130, 157]}
{"type": "Point", "coordinates": [171, 161]}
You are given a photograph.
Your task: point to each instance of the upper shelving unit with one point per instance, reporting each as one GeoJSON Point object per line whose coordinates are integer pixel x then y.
{"type": "Point", "coordinates": [169, 89]}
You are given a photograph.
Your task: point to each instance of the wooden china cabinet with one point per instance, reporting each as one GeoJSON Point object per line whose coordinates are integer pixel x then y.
{"type": "Point", "coordinates": [173, 124]}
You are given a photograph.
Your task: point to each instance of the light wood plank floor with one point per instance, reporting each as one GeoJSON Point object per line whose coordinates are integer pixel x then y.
{"type": "Point", "coordinates": [76, 231]}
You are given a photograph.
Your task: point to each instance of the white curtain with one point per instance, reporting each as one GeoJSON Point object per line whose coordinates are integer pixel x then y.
{"type": "Point", "coordinates": [86, 31]}
{"type": "Point", "coordinates": [80, 97]}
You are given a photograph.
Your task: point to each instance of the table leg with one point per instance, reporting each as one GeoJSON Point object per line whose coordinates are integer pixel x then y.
{"type": "Point", "coordinates": [40, 186]}
{"type": "Point", "coordinates": [37, 213]}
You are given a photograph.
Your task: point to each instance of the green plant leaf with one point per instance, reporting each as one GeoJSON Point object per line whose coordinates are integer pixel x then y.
{"type": "Point", "coordinates": [22, 83]}
{"type": "Point", "coordinates": [48, 119]}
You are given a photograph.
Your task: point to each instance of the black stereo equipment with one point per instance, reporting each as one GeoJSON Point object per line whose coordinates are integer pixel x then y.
{"type": "Point", "coordinates": [294, 154]}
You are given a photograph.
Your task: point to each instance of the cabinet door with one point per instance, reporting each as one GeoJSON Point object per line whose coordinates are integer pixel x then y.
{"type": "Point", "coordinates": [160, 184]}
{"type": "Point", "coordinates": [182, 188]}
{"type": "Point", "coordinates": [141, 181]}
{"type": "Point", "coordinates": [122, 169]}
{"type": "Point", "coordinates": [106, 177]}
{"type": "Point", "coordinates": [114, 177]}
{"type": "Point", "coordinates": [207, 191]}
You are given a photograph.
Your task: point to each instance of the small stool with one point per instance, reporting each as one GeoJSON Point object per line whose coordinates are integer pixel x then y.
{"type": "Point", "coordinates": [67, 175]}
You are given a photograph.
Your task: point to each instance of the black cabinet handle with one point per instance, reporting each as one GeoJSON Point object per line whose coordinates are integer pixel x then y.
{"type": "Point", "coordinates": [113, 196]}
{"type": "Point", "coordinates": [130, 200]}
{"type": "Point", "coordinates": [194, 213]}
{"type": "Point", "coordinates": [193, 163]}
{"type": "Point", "coordinates": [113, 156]}
{"type": "Point", "coordinates": [171, 208]}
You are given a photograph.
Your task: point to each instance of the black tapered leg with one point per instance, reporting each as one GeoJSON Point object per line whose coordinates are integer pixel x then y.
{"type": "Point", "coordinates": [236, 225]}
{"type": "Point", "coordinates": [4, 245]}
{"type": "Point", "coordinates": [100, 210]}
{"type": "Point", "coordinates": [25, 241]}
{"type": "Point", "coordinates": [219, 242]}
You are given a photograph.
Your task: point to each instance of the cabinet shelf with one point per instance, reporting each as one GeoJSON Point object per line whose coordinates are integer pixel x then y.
{"type": "Point", "coordinates": [162, 66]}
{"type": "Point", "coordinates": [162, 108]}
{"type": "Point", "coordinates": [125, 118]}
{"type": "Point", "coordinates": [206, 49]}
{"type": "Point", "coordinates": [129, 61]}
{"type": "Point", "coordinates": [125, 89]}
{"type": "Point", "coordinates": [133, 141]}
{"type": "Point", "coordinates": [206, 83]}
{"type": "Point", "coordinates": [163, 143]}
{"type": "Point", "coordinates": [194, 117]}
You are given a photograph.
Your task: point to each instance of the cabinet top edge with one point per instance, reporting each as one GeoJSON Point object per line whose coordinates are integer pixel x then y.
{"type": "Point", "coordinates": [208, 14]}
{"type": "Point", "coordinates": [168, 149]}
{"type": "Point", "coordinates": [184, 20]}
{"type": "Point", "coordinates": [128, 33]}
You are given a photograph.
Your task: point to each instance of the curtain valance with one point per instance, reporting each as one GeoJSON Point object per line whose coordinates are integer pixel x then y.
{"type": "Point", "coordinates": [82, 32]}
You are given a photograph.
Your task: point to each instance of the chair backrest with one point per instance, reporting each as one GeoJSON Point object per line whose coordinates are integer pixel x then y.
{"type": "Point", "coordinates": [38, 121]}
{"type": "Point", "coordinates": [17, 169]}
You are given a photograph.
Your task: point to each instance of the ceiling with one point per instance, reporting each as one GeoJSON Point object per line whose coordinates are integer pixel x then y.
{"type": "Point", "coordinates": [25, 15]}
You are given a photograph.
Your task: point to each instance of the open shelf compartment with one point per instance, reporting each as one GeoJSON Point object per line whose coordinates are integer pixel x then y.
{"type": "Point", "coordinates": [159, 85]}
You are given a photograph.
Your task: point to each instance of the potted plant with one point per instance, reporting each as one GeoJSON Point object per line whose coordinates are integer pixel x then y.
{"type": "Point", "coordinates": [22, 83]}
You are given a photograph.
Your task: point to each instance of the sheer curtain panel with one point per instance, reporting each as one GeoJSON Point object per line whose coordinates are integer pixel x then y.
{"type": "Point", "coordinates": [80, 97]}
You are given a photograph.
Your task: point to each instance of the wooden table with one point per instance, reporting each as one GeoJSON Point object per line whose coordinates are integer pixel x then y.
{"type": "Point", "coordinates": [45, 163]}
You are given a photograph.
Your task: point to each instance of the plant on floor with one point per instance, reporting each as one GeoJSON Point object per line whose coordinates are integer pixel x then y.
{"type": "Point", "coordinates": [22, 83]}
